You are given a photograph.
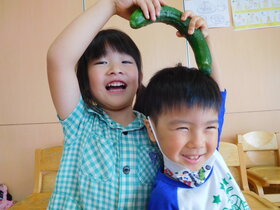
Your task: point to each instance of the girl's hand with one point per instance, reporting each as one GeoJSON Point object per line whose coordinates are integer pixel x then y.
{"type": "Point", "coordinates": [150, 8]}
{"type": "Point", "coordinates": [197, 22]}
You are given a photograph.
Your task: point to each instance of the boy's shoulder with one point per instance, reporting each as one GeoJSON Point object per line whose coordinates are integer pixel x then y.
{"type": "Point", "coordinates": [164, 193]}
{"type": "Point", "coordinates": [220, 166]}
{"type": "Point", "coordinates": [222, 175]}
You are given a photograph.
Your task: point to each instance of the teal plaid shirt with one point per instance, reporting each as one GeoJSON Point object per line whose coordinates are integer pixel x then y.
{"type": "Point", "coordinates": [104, 164]}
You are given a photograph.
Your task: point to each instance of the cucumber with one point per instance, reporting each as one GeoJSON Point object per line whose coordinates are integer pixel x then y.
{"type": "Point", "coordinates": [172, 16]}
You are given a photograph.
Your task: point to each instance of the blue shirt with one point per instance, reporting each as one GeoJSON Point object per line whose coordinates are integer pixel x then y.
{"type": "Point", "coordinates": [221, 115]}
{"type": "Point", "coordinates": [220, 191]}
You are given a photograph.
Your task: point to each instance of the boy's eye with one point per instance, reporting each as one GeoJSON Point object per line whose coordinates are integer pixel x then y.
{"type": "Point", "coordinates": [212, 127]}
{"type": "Point", "coordinates": [183, 128]}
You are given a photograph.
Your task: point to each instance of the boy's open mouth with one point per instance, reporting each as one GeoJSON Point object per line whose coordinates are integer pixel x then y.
{"type": "Point", "coordinates": [116, 85]}
{"type": "Point", "coordinates": [192, 157]}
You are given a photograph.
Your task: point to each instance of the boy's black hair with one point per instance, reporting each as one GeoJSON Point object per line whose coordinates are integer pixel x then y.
{"type": "Point", "coordinates": [114, 39]}
{"type": "Point", "coordinates": [178, 86]}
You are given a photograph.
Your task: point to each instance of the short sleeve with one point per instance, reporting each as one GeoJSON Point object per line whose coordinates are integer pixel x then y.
{"type": "Point", "coordinates": [74, 123]}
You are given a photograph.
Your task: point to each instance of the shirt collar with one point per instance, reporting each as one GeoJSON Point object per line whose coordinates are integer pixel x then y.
{"type": "Point", "coordinates": [138, 122]}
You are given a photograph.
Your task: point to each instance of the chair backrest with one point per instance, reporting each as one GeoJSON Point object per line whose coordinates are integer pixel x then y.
{"type": "Point", "coordinates": [47, 163]}
{"type": "Point", "coordinates": [234, 158]}
{"type": "Point", "coordinates": [261, 148]}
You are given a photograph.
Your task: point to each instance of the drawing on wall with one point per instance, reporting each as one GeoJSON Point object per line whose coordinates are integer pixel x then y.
{"type": "Point", "coordinates": [251, 14]}
{"type": "Point", "coordinates": [215, 12]}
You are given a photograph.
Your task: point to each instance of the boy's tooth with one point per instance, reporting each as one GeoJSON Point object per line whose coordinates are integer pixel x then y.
{"type": "Point", "coordinates": [193, 157]}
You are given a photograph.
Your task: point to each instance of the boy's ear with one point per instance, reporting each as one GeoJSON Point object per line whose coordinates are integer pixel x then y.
{"type": "Point", "coordinates": [149, 129]}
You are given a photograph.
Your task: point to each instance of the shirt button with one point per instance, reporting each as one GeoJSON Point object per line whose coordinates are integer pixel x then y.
{"type": "Point", "coordinates": [125, 133]}
{"type": "Point", "coordinates": [126, 170]}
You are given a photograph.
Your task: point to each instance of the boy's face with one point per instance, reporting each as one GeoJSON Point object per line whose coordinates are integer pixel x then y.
{"type": "Point", "coordinates": [187, 136]}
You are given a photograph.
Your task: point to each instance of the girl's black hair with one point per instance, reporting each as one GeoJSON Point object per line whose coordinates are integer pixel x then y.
{"type": "Point", "coordinates": [114, 39]}
{"type": "Point", "coordinates": [178, 86]}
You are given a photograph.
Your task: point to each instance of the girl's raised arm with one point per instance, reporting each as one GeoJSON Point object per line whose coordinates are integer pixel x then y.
{"type": "Point", "coordinates": [197, 22]}
{"type": "Point", "coordinates": [65, 52]}
{"type": "Point", "coordinates": [216, 71]}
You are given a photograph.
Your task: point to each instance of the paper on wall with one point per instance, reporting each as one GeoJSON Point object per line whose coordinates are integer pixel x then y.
{"type": "Point", "coordinates": [251, 14]}
{"type": "Point", "coordinates": [215, 12]}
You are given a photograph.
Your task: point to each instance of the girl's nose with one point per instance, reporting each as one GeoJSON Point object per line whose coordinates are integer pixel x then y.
{"type": "Point", "coordinates": [115, 69]}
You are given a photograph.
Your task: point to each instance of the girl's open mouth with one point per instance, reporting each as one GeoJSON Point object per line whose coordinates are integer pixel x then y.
{"type": "Point", "coordinates": [116, 86]}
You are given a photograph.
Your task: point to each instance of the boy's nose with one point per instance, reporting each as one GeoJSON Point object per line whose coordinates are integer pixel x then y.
{"type": "Point", "coordinates": [196, 141]}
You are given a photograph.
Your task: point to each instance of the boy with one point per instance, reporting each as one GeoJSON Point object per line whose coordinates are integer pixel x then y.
{"type": "Point", "coordinates": [183, 107]}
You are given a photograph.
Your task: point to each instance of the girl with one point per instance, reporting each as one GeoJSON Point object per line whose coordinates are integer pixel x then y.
{"type": "Point", "coordinates": [108, 161]}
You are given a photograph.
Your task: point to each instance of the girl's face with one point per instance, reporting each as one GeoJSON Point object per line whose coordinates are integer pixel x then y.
{"type": "Point", "coordinates": [113, 80]}
{"type": "Point", "coordinates": [188, 136]}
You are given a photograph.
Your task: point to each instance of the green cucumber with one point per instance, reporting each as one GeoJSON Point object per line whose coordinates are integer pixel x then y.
{"type": "Point", "coordinates": [172, 16]}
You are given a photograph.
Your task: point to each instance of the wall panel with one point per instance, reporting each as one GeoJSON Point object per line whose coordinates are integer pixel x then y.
{"type": "Point", "coordinates": [243, 122]}
{"type": "Point", "coordinates": [17, 149]}
{"type": "Point", "coordinates": [27, 29]}
{"type": "Point", "coordinates": [250, 63]}
{"type": "Point", "coordinates": [27, 116]}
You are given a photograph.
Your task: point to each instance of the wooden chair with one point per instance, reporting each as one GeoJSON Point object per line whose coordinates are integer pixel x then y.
{"type": "Point", "coordinates": [234, 158]}
{"type": "Point", "coordinates": [46, 166]}
{"type": "Point", "coordinates": [263, 163]}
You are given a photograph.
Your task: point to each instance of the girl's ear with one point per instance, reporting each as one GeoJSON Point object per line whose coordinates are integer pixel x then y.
{"type": "Point", "coordinates": [149, 129]}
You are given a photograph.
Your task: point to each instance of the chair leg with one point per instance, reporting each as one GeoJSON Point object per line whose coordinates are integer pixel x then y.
{"type": "Point", "coordinates": [257, 187]}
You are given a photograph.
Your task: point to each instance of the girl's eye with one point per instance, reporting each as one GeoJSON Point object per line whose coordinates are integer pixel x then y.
{"type": "Point", "coordinates": [100, 62]}
{"type": "Point", "coordinates": [127, 62]}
